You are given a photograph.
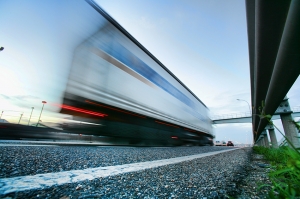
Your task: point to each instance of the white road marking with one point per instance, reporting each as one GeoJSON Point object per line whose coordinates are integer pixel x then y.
{"type": "Point", "coordinates": [60, 142]}
{"type": "Point", "coordinates": [39, 181]}
{"type": "Point", "coordinates": [28, 145]}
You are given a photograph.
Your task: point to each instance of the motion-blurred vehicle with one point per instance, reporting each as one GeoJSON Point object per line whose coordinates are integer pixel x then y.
{"type": "Point", "coordinates": [229, 143]}
{"type": "Point", "coordinates": [118, 84]}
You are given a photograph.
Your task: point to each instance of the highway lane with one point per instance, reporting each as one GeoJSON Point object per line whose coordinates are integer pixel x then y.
{"type": "Point", "coordinates": [69, 168]}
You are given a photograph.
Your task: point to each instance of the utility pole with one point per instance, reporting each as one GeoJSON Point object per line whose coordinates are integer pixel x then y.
{"type": "Point", "coordinates": [20, 118]}
{"type": "Point", "coordinates": [44, 102]}
{"type": "Point", "coordinates": [30, 115]}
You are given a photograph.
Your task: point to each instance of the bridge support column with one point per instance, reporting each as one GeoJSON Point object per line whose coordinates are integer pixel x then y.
{"type": "Point", "coordinates": [290, 130]}
{"type": "Point", "coordinates": [273, 138]}
{"type": "Point", "coordinates": [267, 143]}
{"type": "Point", "coordinates": [266, 139]}
{"type": "Point", "coordinates": [272, 135]}
{"type": "Point", "coordinates": [262, 142]}
{"type": "Point", "coordinates": [258, 143]}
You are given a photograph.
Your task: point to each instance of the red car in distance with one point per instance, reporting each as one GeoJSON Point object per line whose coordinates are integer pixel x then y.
{"type": "Point", "coordinates": [229, 143]}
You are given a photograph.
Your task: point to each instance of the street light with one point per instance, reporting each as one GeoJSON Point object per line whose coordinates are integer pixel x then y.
{"type": "Point", "coordinates": [20, 118]}
{"type": "Point", "coordinates": [30, 115]}
{"type": "Point", "coordinates": [246, 102]}
{"type": "Point", "coordinates": [44, 102]}
{"type": "Point", "coordinates": [1, 48]}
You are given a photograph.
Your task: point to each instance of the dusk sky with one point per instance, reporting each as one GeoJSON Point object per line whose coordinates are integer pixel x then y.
{"type": "Point", "coordinates": [204, 43]}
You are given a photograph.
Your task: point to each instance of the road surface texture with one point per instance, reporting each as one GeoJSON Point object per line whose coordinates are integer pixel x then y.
{"type": "Point", "coordinates": [55, 171]}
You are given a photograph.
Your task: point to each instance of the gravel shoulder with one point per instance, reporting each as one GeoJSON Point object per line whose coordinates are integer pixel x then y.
{"type": "Point", "coordinates": [31, 160]}
{"type": "Point", "coordinates": [257, 183]}
{"type": "Point", "coordinates": [234, 173]}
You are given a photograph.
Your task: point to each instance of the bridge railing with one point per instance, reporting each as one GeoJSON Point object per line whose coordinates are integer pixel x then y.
{"type": "Point", "coordinates": [230, 116]}
{"type": "Point", "coordinates": [295, 109]}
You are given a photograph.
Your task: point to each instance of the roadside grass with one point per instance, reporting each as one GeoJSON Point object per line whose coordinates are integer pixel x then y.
{"type": "Point", "coordinates": [285, 176]}
{"type": "Point", "coordinates": [285, 162]}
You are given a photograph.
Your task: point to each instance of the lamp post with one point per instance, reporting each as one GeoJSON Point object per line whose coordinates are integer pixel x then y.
{"type": "Point", "coordinates": [44, 102]}
{"type": "Point", "coordinates": [30, 115]}
{"type": "Point", "coordinates": [20, 118]}
{"type": "Point", "coordinates": [247, 103]}
{"type": "Point", "coordinates": [1, 48]}
{"type": "Point", "coordinates": [1, 114]}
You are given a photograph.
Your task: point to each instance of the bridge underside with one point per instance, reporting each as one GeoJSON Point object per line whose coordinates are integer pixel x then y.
{"type": "Point", "coordinates": [274, 54]}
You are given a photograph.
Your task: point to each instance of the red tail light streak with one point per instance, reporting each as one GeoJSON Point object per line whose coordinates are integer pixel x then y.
{"type": "Point", "coordinates": [115, 109]}
{"type": "Point", "coordinates": [83, 110]}
{"type": "Point", "coordinates": [190, 130]}
{"type": "Point", "coordinates": [166, 124]}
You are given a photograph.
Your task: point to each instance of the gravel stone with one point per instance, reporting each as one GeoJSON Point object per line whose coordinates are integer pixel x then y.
{"type": "Point", "coordinates": [32, 160]}
{"type": "Point", "coordinates": [231, 174]}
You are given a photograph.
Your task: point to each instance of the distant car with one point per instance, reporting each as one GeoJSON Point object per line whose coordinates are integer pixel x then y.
{"type": "Point", "coordinates": [229, 143]}
{"type": "Point", "coordinates": [220, 143]}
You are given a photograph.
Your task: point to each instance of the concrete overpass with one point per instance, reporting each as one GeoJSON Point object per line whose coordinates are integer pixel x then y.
{"type": "Point", "coordinates": [246, 117]}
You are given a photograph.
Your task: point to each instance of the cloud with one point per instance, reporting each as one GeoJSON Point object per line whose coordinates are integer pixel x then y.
{"type": "Point", "coordinates": [5, 97]}
{"type": "Point", "coordinates": [19, 97]}
{"type": "Point", "coordinates": [25, 97]}
{"type": "Point", "coordinates": [17, 102]}
{"type": "Point", "coordinates": [226, 102]}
